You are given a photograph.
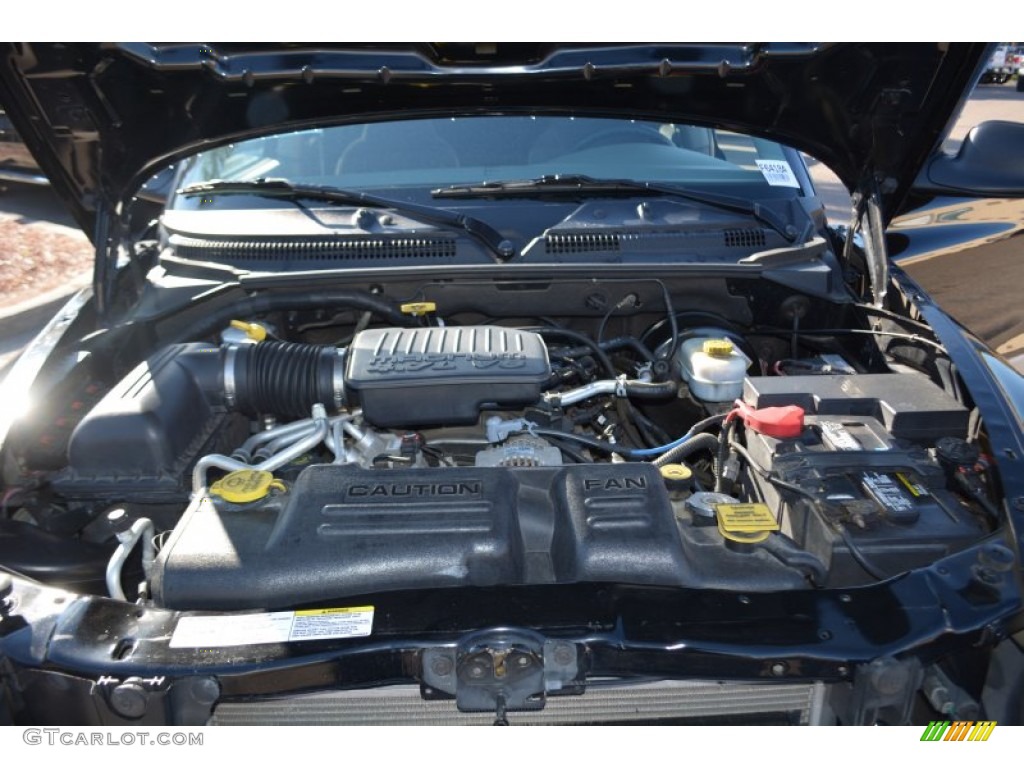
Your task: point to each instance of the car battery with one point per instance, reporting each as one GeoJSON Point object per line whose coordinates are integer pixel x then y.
{"type": "Point", "coordinates": [859, 485]}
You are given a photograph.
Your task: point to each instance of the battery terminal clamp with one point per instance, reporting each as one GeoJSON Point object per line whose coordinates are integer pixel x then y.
{"type": "Point", "coordinates": [780, 422]}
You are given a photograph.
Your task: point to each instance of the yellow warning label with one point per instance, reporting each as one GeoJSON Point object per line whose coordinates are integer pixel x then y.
{"type": "Point", "coordinates": [745, 523]}
{"type": "Point", "coordinates": [329, 611]}
{"type": "Point", "coordinates": [915, 489]}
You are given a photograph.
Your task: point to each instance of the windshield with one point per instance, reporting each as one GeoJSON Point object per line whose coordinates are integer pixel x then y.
{"type": "Point", "coordinates": [426, 153]}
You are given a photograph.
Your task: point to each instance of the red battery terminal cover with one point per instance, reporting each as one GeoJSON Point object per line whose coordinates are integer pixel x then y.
{"type": "Point", "coordinates": [779, 421]}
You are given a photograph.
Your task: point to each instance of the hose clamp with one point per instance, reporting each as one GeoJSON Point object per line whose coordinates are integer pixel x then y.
{"type": "Point", "coordinates": [230, 386]}
{"type": "Point", "coordinates": [338, 380]}
{"type": "Point", "coordinates": [620, 386]}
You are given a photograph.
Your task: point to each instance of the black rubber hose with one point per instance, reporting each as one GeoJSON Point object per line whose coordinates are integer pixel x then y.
{"type": "Point", "coordinates": [214, 320]}
{"type": "Point", "coordinates": [701, 442]}
{"type": "Point", "coordinates": [602, 446]}
{"type": "Point", "coordinates": [786, 551]}
{"type": "Point", "coordinates": [285, 379]}
{"type": "Point", "coordinates": [627, 425]}
{"type": "Point", "coordinates": [649, 390]}
{"type": "Point", "coordinates": [579, 338]}
{"type": "Point", "coordinates": [652, 433]}
{"type": "Point", "coordinates": [628, 342]}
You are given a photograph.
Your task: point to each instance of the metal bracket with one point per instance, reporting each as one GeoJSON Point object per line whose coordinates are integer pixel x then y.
{"type": "Point", "coordinates": [502, 670]}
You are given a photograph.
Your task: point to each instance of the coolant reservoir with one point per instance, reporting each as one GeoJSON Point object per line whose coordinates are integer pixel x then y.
{"type": "Point", "coordinates": [713, 368]}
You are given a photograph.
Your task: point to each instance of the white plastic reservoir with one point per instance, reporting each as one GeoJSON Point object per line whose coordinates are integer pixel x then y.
{"type": "Point", "coordinates": [713, 368]}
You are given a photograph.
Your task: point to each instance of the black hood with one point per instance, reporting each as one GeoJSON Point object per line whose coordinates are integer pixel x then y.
{"type": "Point", "coordinates": [102, 118]}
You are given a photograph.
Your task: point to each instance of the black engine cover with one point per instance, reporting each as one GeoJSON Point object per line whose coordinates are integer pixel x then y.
{"type": "Point", "coordinates": [343, 531]}
{"type": "Point", "coordinates": [404, 377]}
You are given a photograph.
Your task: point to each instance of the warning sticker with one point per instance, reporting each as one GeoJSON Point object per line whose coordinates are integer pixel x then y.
{"type": "Point", "coordinates": [917, 490]}
{"type": "Point", "coordinates": [777, 173]}
{"type": "Point", "coordinates": [746, 517]}
{"type": "Point", "coordinates": [278, 627]}
{"type": "Point", "coordinates": [746, 523]}
{"type": "Point", "coordinates": [888, 492]}
{"type": "Point", "coordinates": [839, 437]}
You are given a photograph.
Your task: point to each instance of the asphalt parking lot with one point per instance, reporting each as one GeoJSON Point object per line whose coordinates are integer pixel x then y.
{"type": "Point", "coordinates": [999, 323]}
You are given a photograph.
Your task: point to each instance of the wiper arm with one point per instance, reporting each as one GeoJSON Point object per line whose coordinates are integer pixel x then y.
{"type": "Point", "coordinates": [501, 248]}
{"type": "Point", "coordinates": [580, 185]}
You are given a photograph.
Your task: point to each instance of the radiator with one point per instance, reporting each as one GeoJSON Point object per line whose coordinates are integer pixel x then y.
{"type": "Point", "coordinates": [668, 701]}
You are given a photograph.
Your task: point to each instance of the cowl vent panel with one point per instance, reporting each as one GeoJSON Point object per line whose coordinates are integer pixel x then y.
{"type": "Point", "coordinates": [314, 249]}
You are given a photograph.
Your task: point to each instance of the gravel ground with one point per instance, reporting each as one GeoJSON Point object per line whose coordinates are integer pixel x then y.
{"type": "Point", "coordinates": [36, 258]}
{"type": "Point", "coordinates": [41, 248]}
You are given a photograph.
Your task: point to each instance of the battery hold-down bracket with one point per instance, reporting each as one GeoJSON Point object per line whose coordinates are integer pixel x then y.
{"type": "Point", "coordinates": [500, 671]}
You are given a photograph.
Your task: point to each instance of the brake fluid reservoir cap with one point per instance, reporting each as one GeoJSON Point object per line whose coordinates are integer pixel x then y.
{"type": "Point", "coordinates": [245, 485]}
{"type": "Point", "coordinates": [718, 347]}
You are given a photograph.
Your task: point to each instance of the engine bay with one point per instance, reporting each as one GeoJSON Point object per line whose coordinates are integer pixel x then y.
{"type": "Point", "coordinates": [292, 456]}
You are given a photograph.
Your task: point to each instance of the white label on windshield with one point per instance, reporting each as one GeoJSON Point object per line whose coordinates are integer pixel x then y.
{"type": "Point", "coordinates": [279, 627]}
{"type": "Point", "coordinates": [777, 173]}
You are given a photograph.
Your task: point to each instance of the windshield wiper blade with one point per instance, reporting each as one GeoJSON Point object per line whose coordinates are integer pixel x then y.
{"type": "Point", "coordinates": [500, 247]}
{"type": "Point", "coordinates": [580, 185]}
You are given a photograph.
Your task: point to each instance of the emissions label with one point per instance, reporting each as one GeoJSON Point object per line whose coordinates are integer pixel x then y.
{"type": "Point", "coordinates": [278, 627]}
{"type": "Point", "coordinates": [777, 173]}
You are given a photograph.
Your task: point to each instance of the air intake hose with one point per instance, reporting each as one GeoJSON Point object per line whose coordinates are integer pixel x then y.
{"type": "Point", "coordinates": [283, 378]}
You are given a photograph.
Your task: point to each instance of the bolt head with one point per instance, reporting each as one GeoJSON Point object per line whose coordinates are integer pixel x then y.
{"type": "Point", "coordinates": [442, 667]}
{"type": "Point", "coordinates": [205, 690]}
{"type": "Point", "coordinates": [128, 700]}
{"type": "Point", "coordinates": [563, 655]}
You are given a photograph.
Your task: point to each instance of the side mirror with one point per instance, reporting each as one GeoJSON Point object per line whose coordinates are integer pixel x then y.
{"type": "Point", "coordinates": [990, 163]}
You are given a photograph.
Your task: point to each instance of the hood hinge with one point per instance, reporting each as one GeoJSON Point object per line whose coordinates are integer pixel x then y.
{"type": "Point", "coordinates": [867, 220]}
{"type": "Point", "coordinates": [106, 264]}
{"type": "Point", "coordinates": [112, 231]}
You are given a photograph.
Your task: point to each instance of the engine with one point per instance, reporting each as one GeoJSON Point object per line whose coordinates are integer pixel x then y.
{"type": "Point", "coordinates": [477, 455]}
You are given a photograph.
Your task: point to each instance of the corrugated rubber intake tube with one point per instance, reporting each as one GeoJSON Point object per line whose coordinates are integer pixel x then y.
{"type": "Point", "coordinates": [283, 378]}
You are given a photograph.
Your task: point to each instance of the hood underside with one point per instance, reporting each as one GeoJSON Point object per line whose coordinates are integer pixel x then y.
{"type": "Point", "coordinates": [102, 118]}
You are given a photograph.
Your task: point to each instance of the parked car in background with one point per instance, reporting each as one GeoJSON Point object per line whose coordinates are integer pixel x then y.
{"type": "Point", "coordinates": [508, 383]}
{"type": "Point", "coordinates": [16, 162]}
{"type": "Point", "coordinates": [1000, 67]}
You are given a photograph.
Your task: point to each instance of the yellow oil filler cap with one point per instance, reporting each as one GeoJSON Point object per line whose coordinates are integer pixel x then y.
{"type": "Point", "coordinates": [417, 308]}
{"type": "Point", "coordinates": [677, 477]}
{"type": "Point", "coordinates": [254, 331]}
{"type": "Point", "coordinates": [718, 347]}
{"type": "Point", "coordinates": [245, 485]}
{"type": "Point", "coordinates": [745, 523]}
